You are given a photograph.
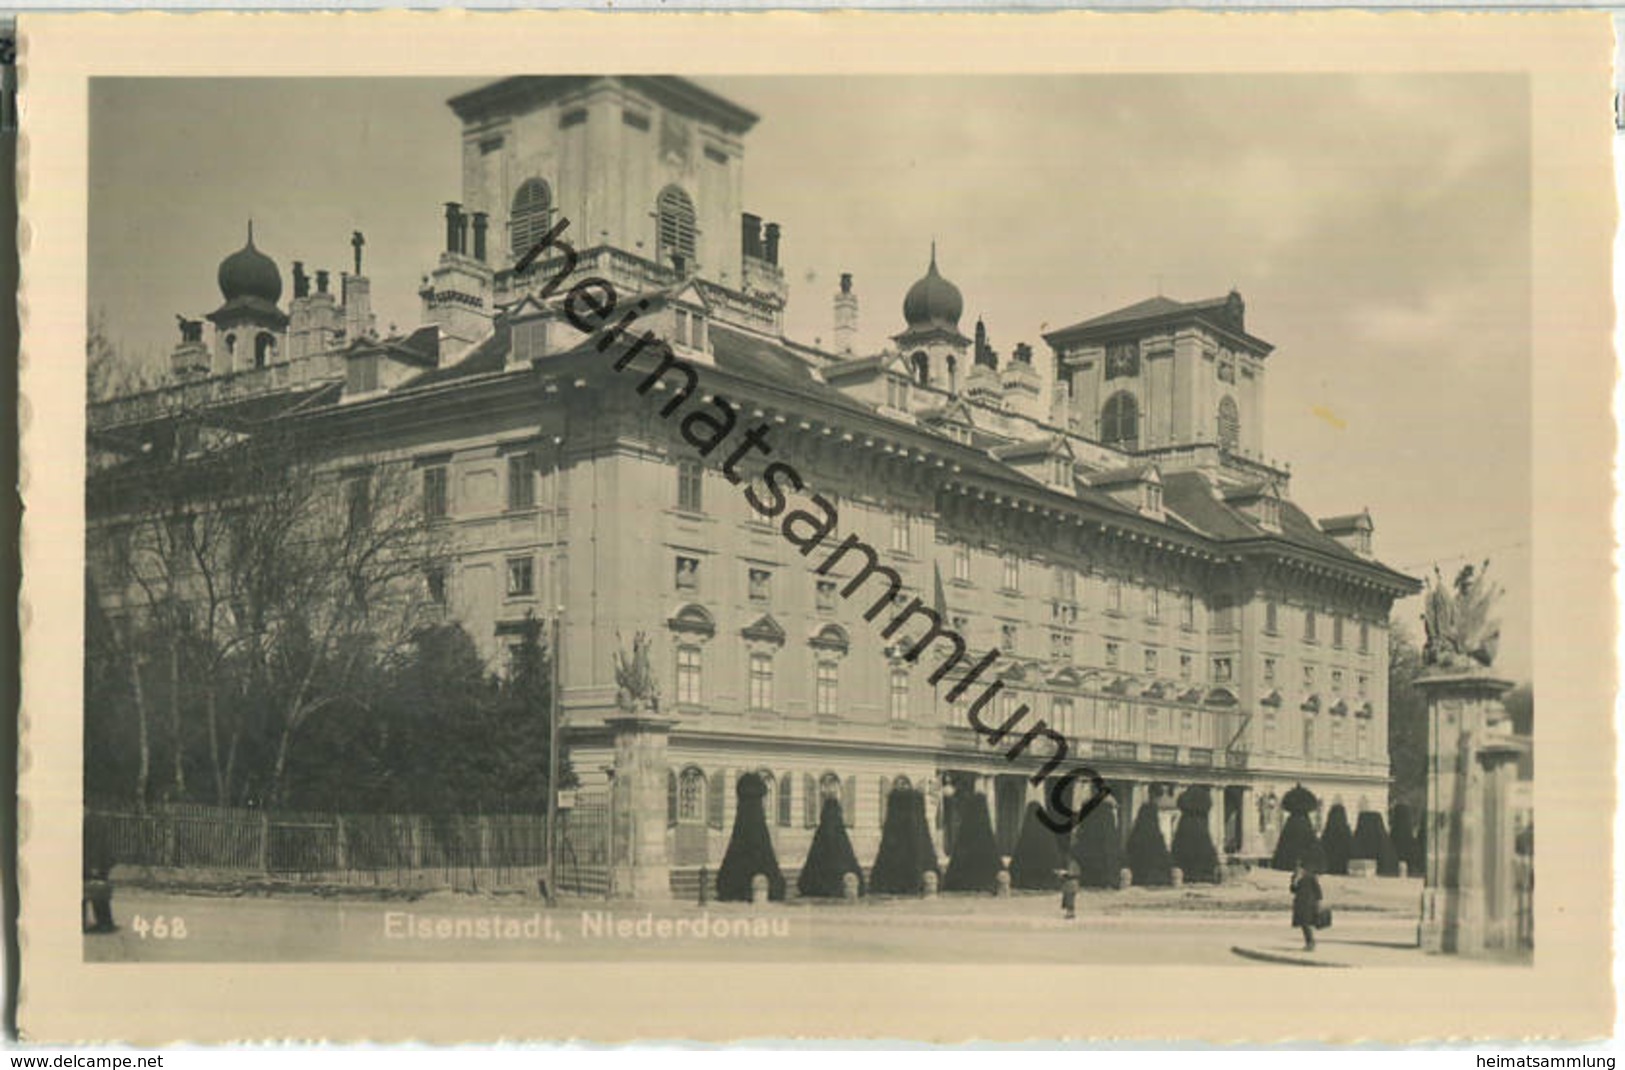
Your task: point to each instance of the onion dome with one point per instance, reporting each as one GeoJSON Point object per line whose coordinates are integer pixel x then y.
{"type": "Point", "coordinates": [250, 273]}
{"type": "Point", "coordinates": [933, 301]}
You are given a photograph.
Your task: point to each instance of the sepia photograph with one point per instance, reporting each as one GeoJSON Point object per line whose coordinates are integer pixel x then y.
{"type": "Point", "coordinates": [1050, 518]}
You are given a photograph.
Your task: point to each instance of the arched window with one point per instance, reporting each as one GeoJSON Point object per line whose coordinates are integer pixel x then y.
{"type": "Point", "coordinates": [922, 367]}
{"type": "Point", "coordinates": [1120, 422]}
{"type": "Point", "coordinates": [953, 375]}
{"type": "Point", "coordinates": [829, 786]}
{"type": "Point", "coordinates": [674, 213]}
{"type": "Point", "coordinates": [1229, 423]}
{"type": "Point", "coordinates": [691, 797]}
{"type": "Point", "coordinates": [264, 348]}
{"type": "Point", "coordinates": [528, 219]}
{"type": "Point", "coordinates": [231, 344]}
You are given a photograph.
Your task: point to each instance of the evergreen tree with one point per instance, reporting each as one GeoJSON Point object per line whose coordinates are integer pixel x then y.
{"type": "Point", "coordinates": [1193, 848]}
{"type": "Point", "coordinates": [750, 848]}
{"type": "Point", "coordinates": [1298, 841]}
{"type": "Point", "coordinates": [1371, 841]}
{"type": "Point", "coordinates": [1038, 856]}
{"type": "Point", "coordinates": [1337, 840]}
{"type": "Point", "coordinates": [830, 857]}
{"type": "Point", "coordinates": [900, 863]}
{"type": "Point", "coordinates": [1406, 848]}
{"type": "Point", "coordinates": [1147, 851]}
{"type": "Point", "coordinates": [1096, 847]}
{"type": "Point", "coordinates": [974, 865]}
{"type": "Point", "coordinates": [924, 849]}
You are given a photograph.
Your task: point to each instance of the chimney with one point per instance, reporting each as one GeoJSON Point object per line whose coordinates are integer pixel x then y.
{"type": "Point", "coordinates": [321, 281]}
{"type": "Point", "coordinates": [846, 316]}
{"type": "Point", "coordinates": [481, 221]}
{"type": "Point", "coordinates": [454, 215]}
{"type": "Point", "coordinates": [1023, 353]}
{"type": "Point", "coordinates": [750, 236]}
{"type": "Point", "coordinates": [1020, 382]}
{"type": "Point", "coordinates": [357, 240]}
{"type": "Point", "coordinates": [771, 245]}
{"type": "Point", "coordinates": [984, 357]}
{"type": "Point", "coordinates": [358, 318]}
{"type": "Point", "coordinates": [301, 281]}
{"type": "Point", "coordinates": [462, 233]}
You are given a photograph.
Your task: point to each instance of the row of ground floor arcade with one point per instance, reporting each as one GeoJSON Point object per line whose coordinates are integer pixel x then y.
{"type": "Point", "coordinates": [671, 798]}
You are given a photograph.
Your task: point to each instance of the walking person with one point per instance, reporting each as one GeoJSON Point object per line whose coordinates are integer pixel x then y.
{"type": "Point", "coordinates": [1069, 888]}
{"type": "Point", "coordinates": [1305, 902]}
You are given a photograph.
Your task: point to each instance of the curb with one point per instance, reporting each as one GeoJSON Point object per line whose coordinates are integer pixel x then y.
{"type": "Point", "coordinates": [1287, 960]}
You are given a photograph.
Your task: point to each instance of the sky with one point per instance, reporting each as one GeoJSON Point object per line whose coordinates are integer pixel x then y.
{"type": "Point", "coordinates": [1378, 227]}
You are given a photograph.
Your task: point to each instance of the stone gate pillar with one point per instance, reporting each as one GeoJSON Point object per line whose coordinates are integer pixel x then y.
{"type": "Point", "coordinates": [1465, 713]}
{"type": "Point", "coordinates": [639, 866]}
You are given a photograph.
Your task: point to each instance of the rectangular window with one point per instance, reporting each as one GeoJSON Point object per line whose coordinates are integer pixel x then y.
{"type": "Point", "coordinates": [434, 579]}
{"type": "Point", "coordinates": [688, 676]}
{"type": "Point", "coordinates": [434, 493]}
{"type": "Point", "coordinates": [1007, 638]}
{"type": "Point", "coordinates": [1060, 646]}
{"type": "Point", "coordinates": [896, 393]}
{"type": "Point", "coordinates": [1337, 632]}
{"type": "Point", "coordinates": [962, 563]}
{"type": "Point", "coordinates": [1362, 685]}
{"type": "Point", "coordinates": [1224, 616]}
{"type": "Point", "coordinates": [826, 687]}
{"type": "Point", "coordinates": [1186, 663]}
{"type": "Point", "coordinates": [961, 626]}
{"type": "Point", "coordinates": [690, 486]}
{"type": "Point", "coordinates": [1269, 670]}
{"type": "Point", "coordinates": [1272, 617]}
{"type": "Point", "coordinates": [521, 481]}
{"type": "Point", "coordinates": [761, 682]}
{"type": "Point", "coordinates": [1114, 596]}
{"type": "Point", "coordinates": [1187, 610]}
{"type": "Point", "coordinates": [1365, 637]}
{"type": "Point", "coordinates": [688, 573]}
{"type": "Point", "coordinates": [826, 595]}
{"type": "Point", "coordinates": [1150, 661]}
{"type": "Point", "coordinates": [899, 533]}
{"type": "Point", "coordinates": [521, 577]}
{"type": "Point", "coordinates": [529, 340]}
{"type": "Point", "coordinates": [1153, 604]}
{"type": "Point", "coordinates": [899, 695]}
{"type": "Point", "coordinates": [1337, 737]}
{"type": "Point", "coordinates": [1308, 677]}
{"type": "Point", "coordinates": [1187, 725]}
{"type": "Point", "coordinates": [1066, 584]}
{"type": "Point", "coordinates": [1113, 728]}
{"type": "Point", "coordinates": [1362, 743]}
{"type": "Point", "coordinates": [1269, 731]}
{"type": "Point", "coordinates": [761, 585]}
{"type": "Point", "coordinates": [1114, 653]}
{"type": "Point", "coordinates": [361, 375]}
{"type": "Point", "coordinates": [1309, 626]}
{"type": "Point", "coordinates": [358, 502]}
{"type": "Point", "coordinates": [1061, 717]}
{"type": "Point", "coordinates": [1337, 681]}
{"type": "Point", "coordinates": [1309, 735]}
{"type": "Point", "coordinates": [1222, 670]}
{"type": "Point", "coordinates": [1012, 572]}
{"type": "Point", "coordinates": [1153, 723]}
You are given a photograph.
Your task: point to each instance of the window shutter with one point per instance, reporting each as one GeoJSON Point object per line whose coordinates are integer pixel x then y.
{"type": "Point", "coordinates": [671, 798]}
{"type": "Point", "coordinates": [809, 800]}
{"type": "Point", "coordinates": [717, 799]}
{"type": "Point", "coordinates": [849, 800]}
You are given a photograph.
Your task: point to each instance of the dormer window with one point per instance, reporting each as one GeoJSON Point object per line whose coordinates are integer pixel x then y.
{"type": "Point", "coordinates": [1061, 471]}
{"type": "Point", "coordinates": [1153, 498]}
{"type": "Point", "coordinates": [690, 329]}
{"type": "Point", "coordinates": [529, 340]}
{"type": "Point", "coordinates": [897, 393]}
{"type": "Point", "coordinates": [1269, 513]}
{"type": "Point", "coordinates": [362, 374]}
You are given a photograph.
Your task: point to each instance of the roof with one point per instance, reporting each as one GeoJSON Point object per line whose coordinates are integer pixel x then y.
{"type": "Point", "coordinates": [1226, 314]}
{"type": "Point", "coordinates": [526, 92]}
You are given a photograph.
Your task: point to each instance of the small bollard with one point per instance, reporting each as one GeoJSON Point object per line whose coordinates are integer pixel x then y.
{"type": "Point", "coordinates": [850, 887]}
{"type": "Point", "coordinates": [1176, 877]}
{"type": "Point", "coordinates": [758, 889]}
{"type": "Point", "coordinates": [1404, 869]}
{"type": "Point", "coordinates": [928, 884]}
{"type": "Point", "coordinates": [705, 885]}
{"type": "Point", "coordinates": [1125, 878]}
{"type": "Point", "coordinates": [1001, 885]}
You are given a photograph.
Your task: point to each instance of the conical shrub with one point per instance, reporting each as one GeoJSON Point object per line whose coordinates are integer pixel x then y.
{"type": "Point", "coordinates": [1298, 843]}
{"type": "Point", "coordinates": [1407, 840]}
{"type": "Point", "coordinates": [925, 851]}
{"type": "Point", "coordinates": [974, 865]}
{"type": "Point", "coordinates": [1193, 848]}
{"type": "Point", "coordinates": [750, 848]}
{"type": "Point", "coordinates": [1147, 852]}
{"type": "Point", "coordinates": [1371, 841]}
{"type": "Point", "coordinates": [1096, 846]}
{"type": "Point", "coordinates": [830, 856]}
{"type": "Point", "coordinates": [1337, 839]}
{"type": "Point", "coordinates": [1038, 856]}
{"type": "Point", "coordinates": [900, 864]}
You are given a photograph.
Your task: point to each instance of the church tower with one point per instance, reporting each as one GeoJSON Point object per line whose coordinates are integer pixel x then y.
{"type": "Point", "coordinates": [248, 327]}
{"type": "Point", "coordinates": [931, 343]}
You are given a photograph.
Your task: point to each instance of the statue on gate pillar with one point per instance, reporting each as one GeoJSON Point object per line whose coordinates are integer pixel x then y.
{"type": "Point", "coordinates": [1469, 817]}
{"type": "Point", "coordinates": [640, 868]}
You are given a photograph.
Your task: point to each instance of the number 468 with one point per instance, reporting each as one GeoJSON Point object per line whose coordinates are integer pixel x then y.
{"type": "Point", "coordinates": [160, 927]}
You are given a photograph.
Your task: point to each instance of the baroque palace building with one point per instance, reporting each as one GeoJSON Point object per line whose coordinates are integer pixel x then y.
{"type": "Point", "coordinates": [1154, 593]}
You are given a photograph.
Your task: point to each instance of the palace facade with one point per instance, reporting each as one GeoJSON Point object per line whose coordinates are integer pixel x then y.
{"type": "Point", "coordinates": [1118, 534]}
